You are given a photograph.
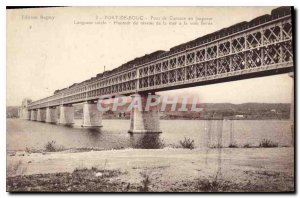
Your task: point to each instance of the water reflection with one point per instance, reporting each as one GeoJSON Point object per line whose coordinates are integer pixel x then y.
{"type": "Point", "coordinates": [146, 141]}
{"type": "Point", "coordinates": [95, 130]}
{"type": "Point", "coordinates": [68, 125]}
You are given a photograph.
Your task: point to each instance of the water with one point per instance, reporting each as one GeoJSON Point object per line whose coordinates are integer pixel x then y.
{"type": "Point", "coordinates": [114, 135]}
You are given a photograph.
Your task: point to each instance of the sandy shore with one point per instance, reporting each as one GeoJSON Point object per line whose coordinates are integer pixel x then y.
{"type": "Point", "coordinates": [246, 169]}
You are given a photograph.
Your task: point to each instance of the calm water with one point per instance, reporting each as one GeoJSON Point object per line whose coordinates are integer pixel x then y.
{"type": "Point", "coordinates": [113, 134]}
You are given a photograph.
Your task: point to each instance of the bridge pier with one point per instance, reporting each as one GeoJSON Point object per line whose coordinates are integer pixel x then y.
{"type": "Point", "coordinates": [66, 116]}
{"type": "Point", "coordinates": [142, 121]}
{"type": "Point", "coordinates": [92, 117]}
{"type": "Point", "coordinates": [26, 114]}
{"type": "Point", "coordinates": [33, 115]}
{"type": "Point", "coordinates": [41, 115]}
{"type": "Point", "coordinates": [51, 115]}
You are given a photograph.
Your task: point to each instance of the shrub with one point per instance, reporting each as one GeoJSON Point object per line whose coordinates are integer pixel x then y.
{"type": "Point", "coordinates": [145, 184]}
{"type": "Point", "coordinates": [233, 145]}
{"type": "Point", "coordinates": [52, 147]}
{"type": "Point", "coordinates": [187, 143]}
{"type": "Point", "coordinates": [149, 141]}
{"type": "Point", "coordinates": [247, 145]}
{"type": "Point", "coordinates": [267, 143]}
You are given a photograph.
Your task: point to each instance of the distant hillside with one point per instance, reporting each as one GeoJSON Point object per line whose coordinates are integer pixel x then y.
{"type": "Point", "coordinates": [237, 111]}
{"type": "Point", "coordinates": [210, 111]}
{"type": "Point", "coordinates": [12, 111]}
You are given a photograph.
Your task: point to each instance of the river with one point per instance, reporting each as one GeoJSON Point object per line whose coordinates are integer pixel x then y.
{"type": "Point", "coordinates": [114, 135]}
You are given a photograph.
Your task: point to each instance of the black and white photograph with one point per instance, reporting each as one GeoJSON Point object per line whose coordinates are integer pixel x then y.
{"type": "Point", "coordinates": [150, 99]}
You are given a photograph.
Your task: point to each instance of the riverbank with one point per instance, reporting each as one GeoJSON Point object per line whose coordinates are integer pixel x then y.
{"type": "Point", "coordinates": [168, 169]}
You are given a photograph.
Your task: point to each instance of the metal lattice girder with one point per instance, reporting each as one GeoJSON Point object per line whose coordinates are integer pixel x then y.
{"type": "Point", "coordinates": [173, 63]}
{"type": "Point", "coordinates": [211, 68]}
{"type": "Point", "coordinates": [133, 85]}
{"type": "Point", "coordinates": [180, 74]}
{"type": "Point", "coordinates": [151, 69]}
{"type": "Point", "coordinates": [146, 71]}
{"type": "Point", "coordinates": [261, 46]}
{"type": "Point", "coordinates": [238, 61]}
{"type": "Point", "coordinates": [157, 68]}
{"type": "Point", "coordinates": [191, 72]}
{"type": "Point", "coordinates": [224, 48]}
{"type": "Point", "coordinates": [211, 52]}
{"type": "Point", "coordinates": [129, 74]}
{"type": "Point", "coordinates": [254, 58]}
{"type": "Point", "coordinates": [224, 65]}
{"type": "Point", "coordinates": [287, 30]}
{"type": "Point", "coordinates": [200, 70]}
{"type": "Point", "coordinates": [287, 51]}
{"type": "Point", "coordinates": [157, 79]}
{"type": "Point", "coordinates": [181, 60]}
{"type": "Point", "coordinates": [200, 55]}
{"type": "Point", "coordinates": [172, 76]}
{"type": "Point", "coordinates": [141, 72]}
{"type": "Point", "coordinates": [151, 81]}
{"type": "Point", "coordinates": [145, 81]}
{"type": "Point", "coordinates": [165, 78]}
{"type": "Point", "coordinates": [272, 34]}
{"type": "Point", "coordinates": [238, 43]}
{"type": "Point", "coordinates": [165, 65]}
{"type": "Point", "coordinates": [133, 76]}
{"type": "Point", "coordinates": [190, 58]}
{"type": "Point", "coordinates": [271, 54]}
{"type": "Point", "coordinates": [253, 39]}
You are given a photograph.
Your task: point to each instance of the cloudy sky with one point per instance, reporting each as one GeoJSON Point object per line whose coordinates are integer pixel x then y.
{"type": "Point", "coordinates": [45, 55]}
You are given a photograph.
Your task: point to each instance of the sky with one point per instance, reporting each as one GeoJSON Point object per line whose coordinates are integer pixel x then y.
{"type": "Point", "coordinates": [46, 55]}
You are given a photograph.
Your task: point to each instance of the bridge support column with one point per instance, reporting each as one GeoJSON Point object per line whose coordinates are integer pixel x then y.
{"type": "Point", "coordinates": [26, 114]}
{"type": "Point", "coordinates": [141, 120]}
{"type": "Point", "coordinates": [41, 115]}
{"type": "Point", "coordinates": [92, 117]}
{"type": "Point", "coordinates": [33, 115]}
{"type": "Point", "coordinates": [51, 115]}
{"type": "Point", "coordinates": [66, 115]}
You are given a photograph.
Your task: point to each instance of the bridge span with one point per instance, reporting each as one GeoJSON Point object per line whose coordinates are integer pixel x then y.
{"type": "Point", "coordinates": [260, 47]}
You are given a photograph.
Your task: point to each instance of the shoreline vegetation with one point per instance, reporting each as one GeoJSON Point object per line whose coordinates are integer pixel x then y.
{"type": "Point", "coordinates": [186, 143]}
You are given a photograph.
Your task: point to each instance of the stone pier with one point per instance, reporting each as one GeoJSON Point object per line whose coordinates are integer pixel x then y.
{"type": "Point", "coordinates": [41, 115]}
{"type": "Point", "coordinates": [142, 121]}
{"type": "Point", "coordinates": [51, 115]}
{"type": "Point", "coordinates": [92, 117]}
{"type": "Point", "coordinates": [33, 115]}
{"type": "Point", "coordinates": [66, 116]}
{"type": "Point", "coordinates": [26, 114]}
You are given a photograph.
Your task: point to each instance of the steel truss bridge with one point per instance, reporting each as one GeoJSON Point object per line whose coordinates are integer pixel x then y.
{"type": "Point", "coordinates": [259, 49]}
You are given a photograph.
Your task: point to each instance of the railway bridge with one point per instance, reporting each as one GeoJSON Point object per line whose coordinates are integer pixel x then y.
{"type": "Point", "coordinates": [260, 47]}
